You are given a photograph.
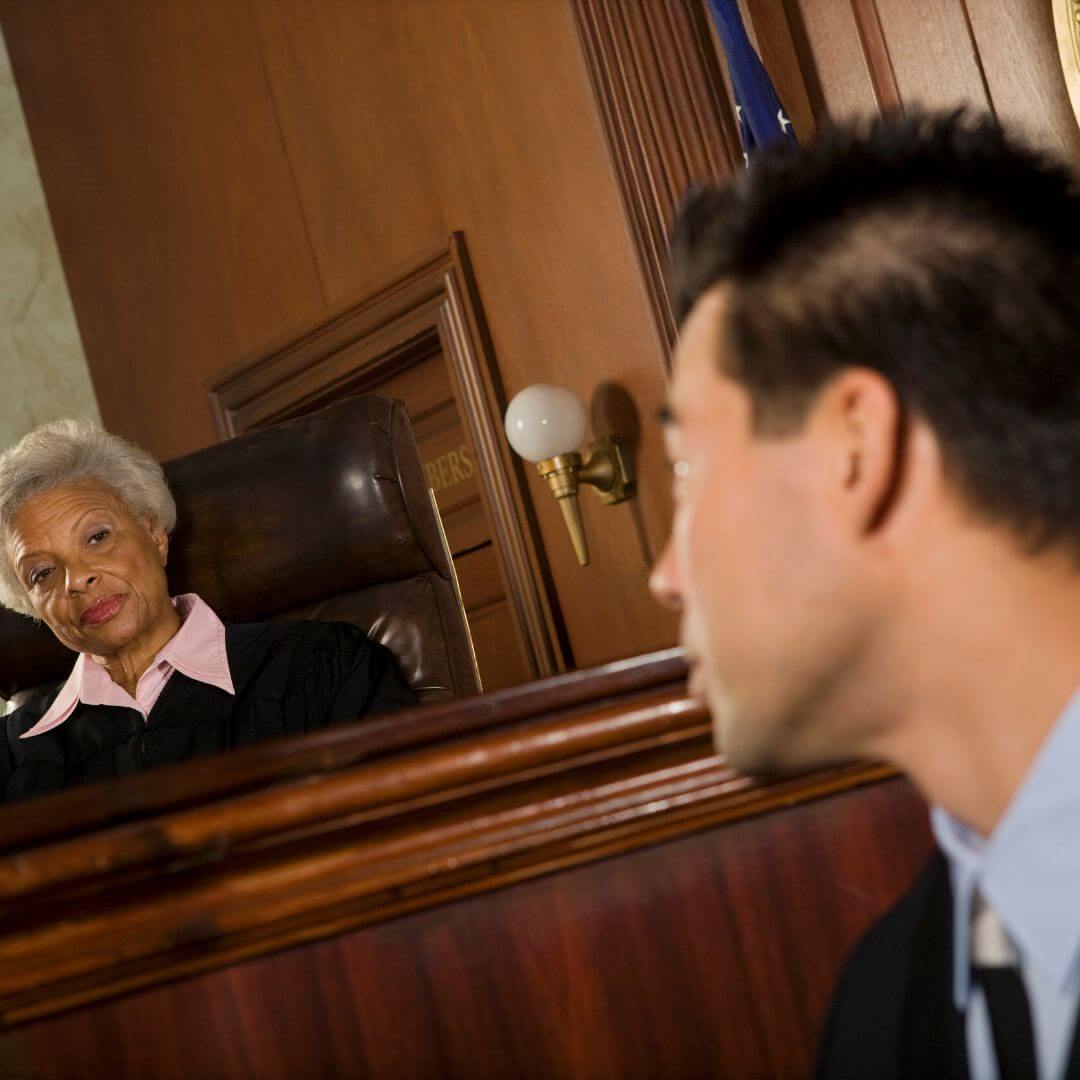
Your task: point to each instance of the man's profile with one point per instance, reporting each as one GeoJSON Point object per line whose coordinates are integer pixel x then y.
{"type": "Point", "coordinates": [874, 423]}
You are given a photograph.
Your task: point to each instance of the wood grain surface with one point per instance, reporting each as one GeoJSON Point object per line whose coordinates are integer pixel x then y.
{"type": "Point", "coordinates": [560, 879]}
{"type": "Point", "coordinates": [659, 90]}
{"type": "Point", "coordinates": [219, 172]}
{"type": "Point", "coordinates": [709, 955]}
{"type": "Point", "coordinates": [888, 54]}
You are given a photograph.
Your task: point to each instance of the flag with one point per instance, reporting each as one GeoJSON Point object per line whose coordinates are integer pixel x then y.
{"type": "Point", "coordinates": [762, 119]}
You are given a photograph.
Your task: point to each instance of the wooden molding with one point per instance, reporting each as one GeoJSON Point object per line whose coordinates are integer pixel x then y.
{"type": "Point", "coordinates": [164, 790]}
{"type": "Point", "coordinates": [430, 306]}
{"type": "Point", "coordinates": [518, 784]}
{"type": "Point", "coordinates": [875, 51]}
{"type": "Point", "coordinates": [665, 116]}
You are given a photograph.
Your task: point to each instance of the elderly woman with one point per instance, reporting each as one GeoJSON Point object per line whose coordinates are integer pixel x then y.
{"type": "Point", "coordinates": [84, 537]}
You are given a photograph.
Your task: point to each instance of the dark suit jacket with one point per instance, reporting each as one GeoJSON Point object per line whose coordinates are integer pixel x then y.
{"type": "Point", "coordinates": [289, 678]}
{"type": "Point", "coordinates": [893, 1014]}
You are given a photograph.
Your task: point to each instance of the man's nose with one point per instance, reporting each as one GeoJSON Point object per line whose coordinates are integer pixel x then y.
{"type": "Point", "coordinates": [664, 581]}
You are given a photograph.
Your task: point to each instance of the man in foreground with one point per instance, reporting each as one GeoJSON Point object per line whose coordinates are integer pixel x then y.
{"type": "Point", "coordinates": [875, 430]}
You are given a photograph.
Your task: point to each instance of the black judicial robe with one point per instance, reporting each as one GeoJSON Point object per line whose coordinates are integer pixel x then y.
{"type": "Point", "coordinates": [893, 1014]}
{"type": "Point", "coordinates": [289, 678]}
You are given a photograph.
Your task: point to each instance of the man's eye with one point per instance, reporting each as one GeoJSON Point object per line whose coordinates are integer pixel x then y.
{"type": "Point", "coordinates": [38, 576]}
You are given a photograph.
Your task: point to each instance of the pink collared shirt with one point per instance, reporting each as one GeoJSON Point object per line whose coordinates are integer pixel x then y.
{"type": "Point", "coordinates": [197, 649]}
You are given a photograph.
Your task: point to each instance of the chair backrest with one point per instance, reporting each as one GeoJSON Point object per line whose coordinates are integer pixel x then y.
{"type": "Point", "coordinates": [324, 517]}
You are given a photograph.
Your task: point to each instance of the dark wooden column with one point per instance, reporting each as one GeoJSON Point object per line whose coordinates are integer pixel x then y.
{"type": "Point", "coordinates": [665, 115]}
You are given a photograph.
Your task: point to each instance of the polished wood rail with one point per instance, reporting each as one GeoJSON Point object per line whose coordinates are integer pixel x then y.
{"type": "Point", "coordinates": [128, 886]}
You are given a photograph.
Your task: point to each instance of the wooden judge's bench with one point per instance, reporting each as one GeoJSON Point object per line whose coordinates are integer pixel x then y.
{"type": "Point", "coordinates": [557, 880]}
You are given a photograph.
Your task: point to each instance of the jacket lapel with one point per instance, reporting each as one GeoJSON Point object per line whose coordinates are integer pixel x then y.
{"type": "Point", "coordinates": [934, 1042]}
{"type": "Point", "coordinates": [1072, 1067]}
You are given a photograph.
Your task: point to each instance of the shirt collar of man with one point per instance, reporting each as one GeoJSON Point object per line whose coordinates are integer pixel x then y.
{"type": "Point", "coordinates": [1027, 869]}
{"type": "Point", "coordinates": [197, 650]}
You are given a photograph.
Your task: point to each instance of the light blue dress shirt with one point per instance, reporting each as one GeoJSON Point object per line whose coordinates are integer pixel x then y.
{"type": "Point", "coordinates": [1028, 871]}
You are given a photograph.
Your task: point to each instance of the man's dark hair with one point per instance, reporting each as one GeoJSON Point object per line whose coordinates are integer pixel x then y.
{"type": "Point", "coordinates": [934, 249]}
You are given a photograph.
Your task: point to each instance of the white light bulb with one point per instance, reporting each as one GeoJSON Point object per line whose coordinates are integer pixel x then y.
{"type": "Point", "coordinates": [544, 421]}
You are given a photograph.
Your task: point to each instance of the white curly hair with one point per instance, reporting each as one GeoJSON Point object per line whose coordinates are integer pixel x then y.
{"type": "Point", "coordinates": [67, 452]}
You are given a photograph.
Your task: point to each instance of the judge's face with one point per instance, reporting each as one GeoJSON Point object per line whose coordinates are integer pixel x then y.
{"type": "Point", "coordinates": [95, 574]}
{"type": "Point", "coordinates": [752, 564]}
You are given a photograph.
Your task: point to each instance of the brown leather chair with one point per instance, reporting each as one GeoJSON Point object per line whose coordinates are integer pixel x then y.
{"type": "Point", "coordinates": [324, 517]}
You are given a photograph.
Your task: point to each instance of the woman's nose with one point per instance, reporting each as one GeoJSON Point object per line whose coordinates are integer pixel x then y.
{"type": "Point", "coordinates": [79, 579]}
{"type": "Point", "coordinates": [664, 581]}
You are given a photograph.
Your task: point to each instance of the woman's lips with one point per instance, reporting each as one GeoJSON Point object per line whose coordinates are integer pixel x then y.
{"type": "Point", "coordinates": [101, 611]}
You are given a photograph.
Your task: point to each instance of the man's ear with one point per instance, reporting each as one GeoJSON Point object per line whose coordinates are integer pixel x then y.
{"type": "Point", "coordinates": [863, 422]}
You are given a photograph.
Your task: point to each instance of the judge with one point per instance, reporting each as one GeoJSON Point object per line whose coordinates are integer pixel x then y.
{"type": "Point", "coordinates": [85, 519]}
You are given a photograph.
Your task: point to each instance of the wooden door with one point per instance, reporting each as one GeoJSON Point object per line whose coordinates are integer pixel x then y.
{"type": "Point", "coordinates": [420, 336]}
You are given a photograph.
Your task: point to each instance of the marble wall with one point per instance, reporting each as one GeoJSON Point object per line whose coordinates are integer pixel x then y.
{"type": "Point", "coordinates": [43, 372]}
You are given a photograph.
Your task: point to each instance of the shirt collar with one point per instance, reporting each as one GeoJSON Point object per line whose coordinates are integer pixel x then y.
{"type": "Point", "coordinates": [197, 649]}
{"type": "Point", "coordinates": [1026, 869]}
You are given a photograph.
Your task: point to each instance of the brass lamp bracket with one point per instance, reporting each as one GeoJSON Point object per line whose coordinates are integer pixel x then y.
{"type": "Point", "coordinates": [607, 469]}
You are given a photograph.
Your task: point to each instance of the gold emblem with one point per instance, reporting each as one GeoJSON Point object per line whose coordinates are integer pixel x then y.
{"type": "Point", "coordinates": [1067, 28]}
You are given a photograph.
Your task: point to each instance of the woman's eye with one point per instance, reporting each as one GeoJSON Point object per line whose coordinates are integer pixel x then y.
{"type": "Point", "coordinates": [97, 537]}
{"type": "Point", "coordinates": [38, 576]}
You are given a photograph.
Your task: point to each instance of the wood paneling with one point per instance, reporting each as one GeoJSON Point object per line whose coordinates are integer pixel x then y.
{"type": "Point", "coordinates": [477, 116]}
{"type": "Point", "coordinates": [833, 48]}
{"type": "Point", "coordinates": [558, 880]}
{"type": "Point", "coordinates": [932, 53]}
{"type": "Point", "coordinates": [881, 54]}
{"type": "Point", "coordinates": [875, 51]}
{"type": "Point", "coordinates": [171, 194]}
{"type": "Point", "coordinates": [206, 870]}
{"type": "Point", "coordinates": [659, 89]}
{"type": "Point", "coordinates": [665, 103]}
{"type": "Point", "coordinates": [1023, 69]}
{"type": "Point", "coordinates": [633, 967]}
{"type": "Point", "coordinates": [218, 172]}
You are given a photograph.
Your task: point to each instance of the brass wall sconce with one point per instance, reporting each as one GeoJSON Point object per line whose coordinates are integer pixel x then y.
{"type": "Point", "coordinates": [546, 425]}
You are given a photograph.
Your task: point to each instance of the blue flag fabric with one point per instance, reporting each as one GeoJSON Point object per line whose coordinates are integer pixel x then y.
{"type": "Point", "coordinates": [762, 119]}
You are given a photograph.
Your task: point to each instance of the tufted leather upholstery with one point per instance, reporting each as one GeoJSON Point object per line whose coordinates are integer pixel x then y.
{"type": "Point", "coordinates": [324, 517]}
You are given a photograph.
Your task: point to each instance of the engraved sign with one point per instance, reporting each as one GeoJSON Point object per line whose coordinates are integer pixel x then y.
{"type": "Point", "coordinates": [453, 467]}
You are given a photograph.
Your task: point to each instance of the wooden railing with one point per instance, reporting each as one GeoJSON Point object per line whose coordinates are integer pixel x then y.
{"type": "Point", "coordinates": [127, 885]}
